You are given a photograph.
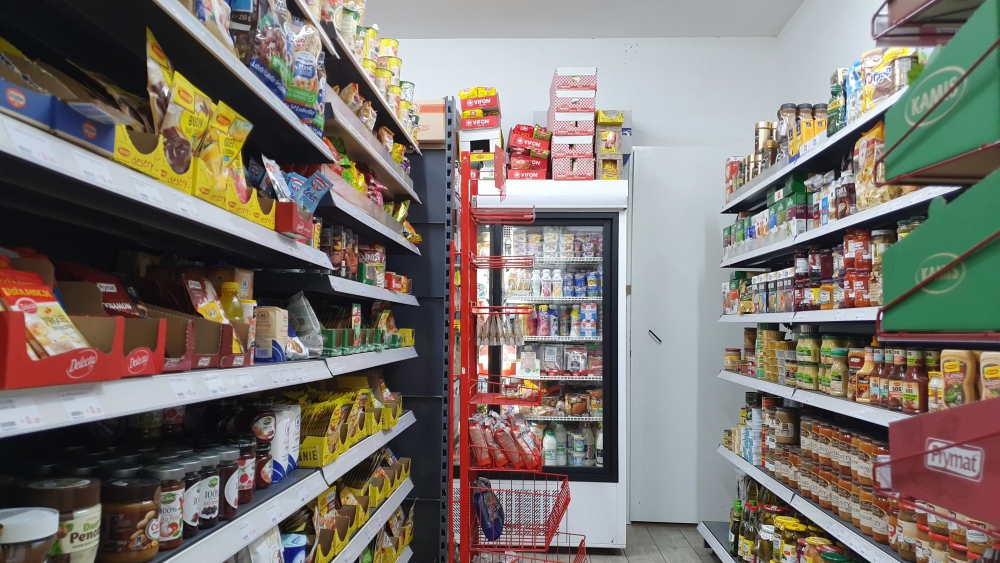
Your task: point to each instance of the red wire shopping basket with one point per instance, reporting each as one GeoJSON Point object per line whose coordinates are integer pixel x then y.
{"type": "Point", "coordinates": [533, 505]}
{"type": "Point", "coordinates": [567, 548]}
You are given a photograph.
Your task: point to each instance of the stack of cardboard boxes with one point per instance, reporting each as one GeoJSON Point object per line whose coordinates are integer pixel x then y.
{"type": "Point", "coordinates": [572, 106]}
{"type": "Point", "coordinates": [609, 144]}
{"type": "Point", "coordinates": [528, 152]}
{"type": "Point", "coordinates": [479, 128]}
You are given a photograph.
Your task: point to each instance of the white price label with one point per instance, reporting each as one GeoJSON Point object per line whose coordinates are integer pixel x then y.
{"type": "Point", "coordinates": [216, 385]}
{"type": "Point", "coordinates": [302, 494]}
{"type": "Point", "coordinates": [183, 388]}
{"type": "Point", "coordinates": [18, 413]}
{"type": "Point", "coordinates": [277, 378]}
{"type": "Point", "coordinates": [147, 190]}
{"type": "Point", "coordinates": [803, 397]}
{"type": "Point", "coordinates": [274, 514]}
{"type": "Point", "coordinates": [93, 168]}
{"type": "Point", "coordinates": [299, 374]}
{"type": "Point", "coordinates": [372, 530]}
{"type": "Point", "coordinates": [246, 529]}
{"type": "Point", "coordinates": [81, 405]}
{"type": "Point", "coordinates": [33, 144]}
{"type": "Point", "coordinates": [187, 207]}
{"type": "Point", "coordinates": [861, 315]}
{"type": "Point", "coordinates": [247, 382]}
{"type": "Point", "coordinates": [838, 316]}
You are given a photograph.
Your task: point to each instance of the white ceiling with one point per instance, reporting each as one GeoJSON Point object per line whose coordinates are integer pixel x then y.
{"type": "Point", "coordinates": [446, 19]}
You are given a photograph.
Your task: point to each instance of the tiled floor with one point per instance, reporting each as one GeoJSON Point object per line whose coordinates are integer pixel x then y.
{"type": "Point", "coordinates": [658, 543]}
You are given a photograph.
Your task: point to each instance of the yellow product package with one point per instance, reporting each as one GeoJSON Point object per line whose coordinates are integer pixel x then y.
{"type": "Point", "coordinates": [184, 123]}
{"type": "Point", "coordinates": [220, 148]}
{"type": "Point", "coordinates": [159, 79]}
{"type": "Point", "coordinates": [884, 73]}
{"type": "Point", "coordinates": [867, 151]}
{"type": "Point", "coordinates": [49, 328]}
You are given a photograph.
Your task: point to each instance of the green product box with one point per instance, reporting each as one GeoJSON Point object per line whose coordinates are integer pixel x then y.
{"type": "Point", "coordinates": [727, 232]}
{"type": "Point", "coordinates": [770, 195]}
{"type": "Point", "coordinates": [795, 183]}
{"type": "Point", "coordinates": [772, 210]}
{"type": "Point", "coordinates": [963, 298]}
{"type": "Point", "coordinates": [737, 275]}
{"type": "Point", "coordinates": [782, 207]}
{"type": "Point", "coordinates": [796, 199]}
{"type": "Point", "coordinates": [966, 120]}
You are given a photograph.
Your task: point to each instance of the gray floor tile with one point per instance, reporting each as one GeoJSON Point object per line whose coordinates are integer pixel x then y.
{"type": "Point", "coordinates": [594, 558]}
{"type": "Point", "coordinates": [680, 555]}
{"type": "Point", "coordinates": [666, 536]}
{"type": "Point", "coordinates": [640, 547]}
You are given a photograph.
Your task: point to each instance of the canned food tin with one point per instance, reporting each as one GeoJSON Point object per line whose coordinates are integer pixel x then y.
{"type": "Point", "coordinates": [388, 47]}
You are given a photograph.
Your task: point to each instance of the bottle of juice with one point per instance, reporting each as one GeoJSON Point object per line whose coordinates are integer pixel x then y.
{"type": "Point", "coordinates": [230, 301]}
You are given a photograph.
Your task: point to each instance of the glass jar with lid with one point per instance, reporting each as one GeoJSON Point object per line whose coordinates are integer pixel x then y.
{"type": "Point", "coordinates": [805, 477]}
{"type": "Point", "coordinates": [191, 507]}
{"type": "Point", "coordinates": [765, 543]}
{"type": "Point", "coordinates": [867, 504]}
{"type": "Point", "coordinates": [171, 502]}
{"type": "Point", "coordinates": [805, 436]}
{"type": "Point", "coordinates": [795, 459]}
{"type": "Point", "coordinates": [957, 552]}
{"type": "Point", "coordinates": [939, 548]}
{"type": "Point", "coordinates": [908, 530]}
{"type": "Point", "coordinates": [787, 427]}
{"type": "Point", "coordinates": [29, 534]}
{"type": "Point", "coordinates": [794, 531]}
{"type": "Point", "coordinates": [78, 501]}
{"type": "Point", "coordinates": [807, 348]}
{"type": "Point", "coordinates": [229, 482]}
{"type": "Point", "coordinates": [838, 374]}
{"type": "Point", "coordinates": [903, 229]}
{"type": "Point", "coordinates": [133, 536]}
{"type": "Point", "coordinates": [976, 539]}
{"type": "Point", "coordinates": [844, 483]}
{"type": "Point", "coordinates": [882, 239]}
{"type": "Point", "coordinates": [807, 375]}
{"type": "Point", "coordinates": [812, 553]}
{"type": "Point", "coordinates": [880, 517]}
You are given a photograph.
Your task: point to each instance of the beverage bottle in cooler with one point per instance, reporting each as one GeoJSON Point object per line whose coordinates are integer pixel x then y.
{"type": "Point", "coordinates": [564, 320]}
{"type": "Point", "coordinates": [546, 283]}
{"type": "Point", "coordinates": [588, 440]}
{"type": "Point", "coordinates": [561, 452]}
{"type": "Point", "coordinates": [557, 283]}
{"type": "Point", "coordinates": [600, 280]}
{"type": "Point", "coordinates": [599, 447]}
{"type": "Point", "coordinates": [543, 320]}
{"type": "Point", "coordinates": [554, 321]}
{"type": "Point", "coordinates": [549, 447]}
{"type": "Point", "coordinates": [536, 283]}
{"type": "Point", "coordinates": [532, 322]}
{"type": "Point", "coordinates": [574, 321]}
{"type": "Point", "coordinates": [600, 321]}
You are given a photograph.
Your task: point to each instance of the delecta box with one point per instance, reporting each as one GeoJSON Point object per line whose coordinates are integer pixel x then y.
{"type": "Point", "coordinates": [967, 119]}
{"type": "Point", "coordinates": [962, 299]}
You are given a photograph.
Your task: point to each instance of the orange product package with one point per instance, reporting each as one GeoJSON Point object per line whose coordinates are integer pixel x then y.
{"type": "Point", "coordinates": [49, 329]}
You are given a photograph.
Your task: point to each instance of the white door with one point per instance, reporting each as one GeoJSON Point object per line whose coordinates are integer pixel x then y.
{"type": "Point", "coordinates": [678, 407]}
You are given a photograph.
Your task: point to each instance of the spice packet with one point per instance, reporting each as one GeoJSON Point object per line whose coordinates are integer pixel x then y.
{"type": "Point", "coordinates": [274, 181]}
{"type": "Point", "coordinates": [49, 330]}
{"type": "Point", "coordinates": [221, 145]}
{"type": "Point", "coordinates": [159, 79]}
{"type": "Point", "coordinates": [184, 123]}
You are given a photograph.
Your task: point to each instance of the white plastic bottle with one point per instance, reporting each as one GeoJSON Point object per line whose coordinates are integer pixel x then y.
{"type": "Point", "coordinates": [588, 439]}
{"type": "Point", "coordinates": [599, 446]}
{"type": "Point", "coordinates": [557, 283]}
{"type": "Point", "coordinates": [549, 448]}
{"type": "Point", "coordinates": [546, 283]}
{"type": "Point", "coordinates": [536, 283]}
{"type": "Point", "coordinates": [561, 453]}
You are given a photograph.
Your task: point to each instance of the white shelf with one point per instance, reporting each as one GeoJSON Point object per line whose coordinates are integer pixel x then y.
{"type": "Point", "coordinates": [570, 261]}
{"type": "Point", "coordinates": [357, 362]}
{"type": "Point", "coordinates": [370, 530]}
{"type": "Point", "coordinates": [362, 145]}
{"type": "Point", "coordinates": [851, 536]}
{"type": "Point", "coordinates": [915, 199]}
{"type": "Point", "coordinates": [853, 315]}
{"type": "Point", "coordinates": [378, 221]}
{"type": "Point", "coordinates": [282, 282]}
{"type": "Point", "coordinates": [860, 411]}
{"type": "Point", "coordinates": [122, 397]}
{"type": "Point", "coordinates": [251, 522]}
{"type": "Point", "coordinates": [758, 186]}
{"type": "Point", "coordinates": [776, 487]}
{"type": "Point", "coordinates": [175, 211]}
{"type": "Point", "coordinates": [529, 299]}
{"type": "Point", "coordinates": [716, 535]}
{"type": "Point", "coordinates": [565, 418]}
{"type": "Point", "coordinates": [555, 195]}
{"type": "Point", "coordinates": [210, 46]}
{"type": "Point", "coordinates": [563, 339]}
{"type": "Point", "coordinates": [352, 457]}
{"type": "Point", "coordinates": [405, 555]}
{"type": "Point", "coordinates": [568, 378]}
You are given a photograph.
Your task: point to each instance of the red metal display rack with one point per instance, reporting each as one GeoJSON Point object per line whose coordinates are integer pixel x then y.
{"type": "Point", "coordinates": [533, 503]}
{"type": "Point", "coordinates": [924, 23]}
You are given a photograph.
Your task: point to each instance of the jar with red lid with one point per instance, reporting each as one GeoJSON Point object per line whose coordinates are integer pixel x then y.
{"type": "Point", "coordinates": [801, 265]}
{"type": "Point", "coordinates": [863, 249]}
{"type": "Point", "coordinates": [263, 422]}
{"type": "Point", "coordinates": [173, 424]}
{"type": "Point", "coordinates": [825, 263]}
{"type": "Point", "coordinates": [800, 304]}
{"type": "Point", "coordinates": [247, 467]}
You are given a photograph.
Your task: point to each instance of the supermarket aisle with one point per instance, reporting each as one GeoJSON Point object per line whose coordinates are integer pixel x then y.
{"type": "Point", "coordinates": [660, 543]}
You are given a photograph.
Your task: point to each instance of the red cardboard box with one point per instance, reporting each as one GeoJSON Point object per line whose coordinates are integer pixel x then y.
{"type": "Point", "coordinates": [574, 146]}
{"type": "Point", "coordinates": [575, 78]}
{"type": "Point", "coordinates": [527, 142]}
{"type": "Point", "coordinates": [573, 100]}
{"type": "Point", "coordinates": [527, 174]}
{"type": "Point", "coordinates": [487, 103]}
{"type": "Point", "coordinates": [528, 163]}
{"type": "Point", "coordinates": [564, 123]}
{"type": "Point", "coordinates": [573, 168]}
{"type": "Point", "coordinates": [290, 221]}
{"type": "Point", "coordinates": [484, 122]}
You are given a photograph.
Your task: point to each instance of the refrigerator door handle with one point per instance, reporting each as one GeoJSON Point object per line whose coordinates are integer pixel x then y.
{"type": "Point", "coordinates": [653, 334]}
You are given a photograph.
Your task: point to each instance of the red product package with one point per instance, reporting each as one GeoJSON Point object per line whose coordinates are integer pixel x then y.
{"type": "Point", "coordinates": [505, 438]}
{"type": "Point", "coordinates": [478, 439]}
{"type": "Point", "coordinates": [521, 151]}
{"type": "Point", "coordinates": [528, 163]}
{"type": "Point", "coordinates": [527, 142]}
{"type": "Point", "coordinates": [500, 460]}
{"type": "Point", "coordinates": [114, 297]}
{"type": "Point", "coordinates": [527, 443]}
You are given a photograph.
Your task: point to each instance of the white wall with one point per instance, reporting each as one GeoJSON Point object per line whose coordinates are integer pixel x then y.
{"type": "Point", "coordinates": [683, 92]}
{"type": "Point", "coordinates": [821, 37]}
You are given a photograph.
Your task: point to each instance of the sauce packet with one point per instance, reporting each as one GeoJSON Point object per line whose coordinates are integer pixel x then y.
{"type": "Point", "coordinates": [184, 123]}
{"type": "Point", "coordinates": [274, 181]}
{"type": "Point", "coordinates": [49, 329]}
{"type": "Point", "coordinates": [313, 192]}
{"type": "Point", "coordinates": [159, 79]}
{"type": "Point", "coordinates": [221, 145]}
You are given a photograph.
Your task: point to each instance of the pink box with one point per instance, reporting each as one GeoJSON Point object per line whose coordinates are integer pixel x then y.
{"type": "Point", "coordinates": [575, 78]}
{"type": "Point", "coordinates": [576, 147]}
{"type": "Point", "coordinates": [584, 126]}
{"type": "Point", "coordinates": [573, 100]}
{"type": "Point", "coordinates": [573, 168]}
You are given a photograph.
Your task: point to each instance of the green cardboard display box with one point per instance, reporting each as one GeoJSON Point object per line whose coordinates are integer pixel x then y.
{"type": "Point", "coordinates": [964, 298]}
{"type": "Point", "coordinates": [965, 121]}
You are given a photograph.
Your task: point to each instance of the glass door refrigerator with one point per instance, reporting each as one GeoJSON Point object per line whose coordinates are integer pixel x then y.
{"type": "Point", "coordinates": [573, 348]}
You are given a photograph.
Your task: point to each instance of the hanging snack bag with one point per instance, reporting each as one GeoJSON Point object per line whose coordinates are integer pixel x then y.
{"type": "Point", "coordinates": [303, 88]}
{"type": "Point", "coordinates": [184, 123]}
{"type": "Point", "coordinates": [215, 15]}
{"type": "Point", "coordinates": [273, 54]}
{"type": "Point", "coordinates": [159, 79]}
{"type": "Point", "coordinates": [221, 147]}
{"type": "Point", "coordinates": [499, 459]}
{"type": "Point", "coordinates": [478, 438]}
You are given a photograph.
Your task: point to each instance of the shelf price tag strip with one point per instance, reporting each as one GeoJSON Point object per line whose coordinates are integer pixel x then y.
{"type": "Point", "coordinates": [19, 413]}
{"type": "Point", "coordinates": [81, 405]}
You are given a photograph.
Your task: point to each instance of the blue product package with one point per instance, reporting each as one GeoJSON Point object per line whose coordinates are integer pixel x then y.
{"type": "Point", "coordinates": [293, 548]}
{"type": "Point", "coordinates": [488, 509]}
{"type": "Point", "coordinates": [853, 91]}
{"type": "Point", "coordinates": [296, 183]}
{"type": "Point", "coordinates": [314, 191]}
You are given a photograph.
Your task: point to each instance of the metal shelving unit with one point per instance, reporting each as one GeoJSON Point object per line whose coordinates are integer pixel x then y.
{"type": "Point", "coordinates": [329, 285]}
{"type": "Point", "coordinates": [716, 535]}
{"type": "Point", "coordinates": [860, 411]}
{"type": "Point", "coordinates": [376, 521]}
{"type": "Point", "coordinates": [852, 315]}
{"type": "Point", "coordinates": [361, 213]}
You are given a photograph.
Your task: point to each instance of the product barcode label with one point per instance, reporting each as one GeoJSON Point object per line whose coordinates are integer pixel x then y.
{"type": "Point", "coordinates": [862, 315]}
{"type": "Point", "coordinates": [33, 144]}
{"type": "Point", "coordinates": [147, 190]}
{"type": "Point", "coordinates": [183, 388]}
{"type": "Point", "coordinates": [246, 529]}
{"type": "Point", "coordinates": [81, 404]}
{"type": "Point", "coordinates": [93, 169]}
{"type": "Point", "coordinates": [247, 382]}
{"type": "Point", "coordinates": [19, 413]}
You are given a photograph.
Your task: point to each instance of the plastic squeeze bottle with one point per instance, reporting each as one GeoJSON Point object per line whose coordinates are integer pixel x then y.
{"type": "Point", "coordinates": [560, 434]}
{"type": "Point", "coordinates": [557, 283]}
{"type": "Point", "coordinates": [588, 441]}
{"type": "Point", "coordinates": [549, 448]}
{"type": "Point", "coordinates": [599, 446]}
{"type": "Point", "coordinates": [536, 283]}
